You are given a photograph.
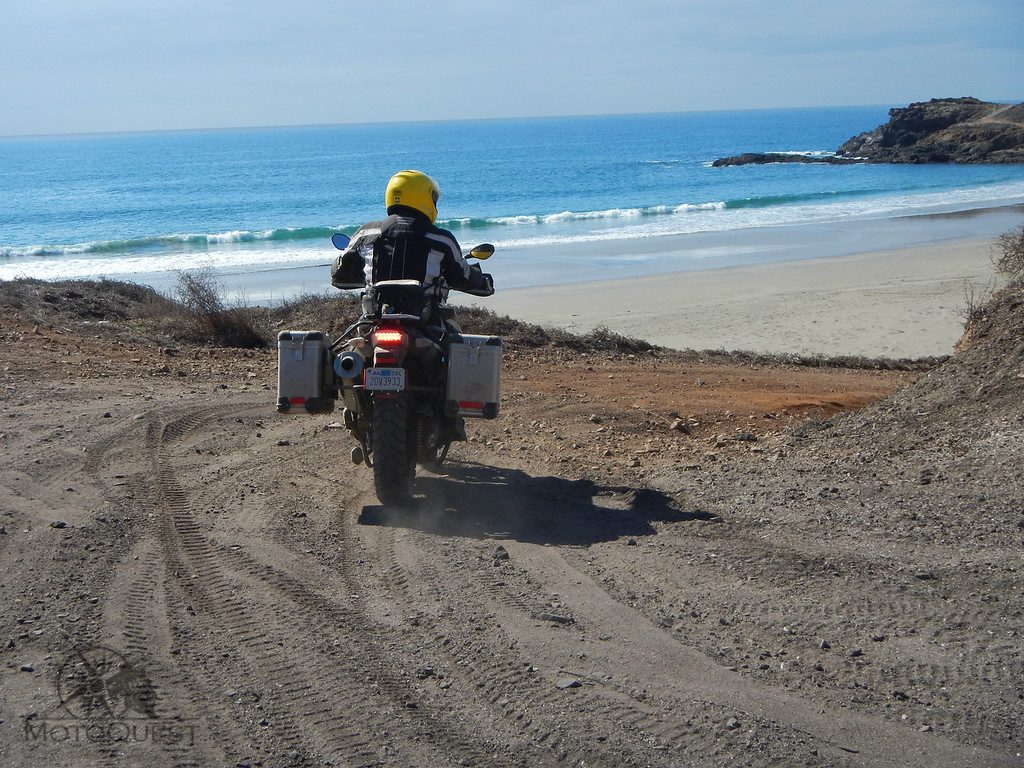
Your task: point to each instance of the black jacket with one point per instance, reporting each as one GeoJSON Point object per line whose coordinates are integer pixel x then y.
{"type": "Point", "coordinates": [406, 246]}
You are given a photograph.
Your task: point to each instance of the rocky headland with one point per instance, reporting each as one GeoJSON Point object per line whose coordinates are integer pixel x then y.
{"type": "Point", "coordinates": [962, 130]}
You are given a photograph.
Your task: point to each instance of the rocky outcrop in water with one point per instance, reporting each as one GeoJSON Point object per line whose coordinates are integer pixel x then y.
{"type": "Point", "coordinates": [761, 158]}
{"type": "Point", "coordinates": [963, 130]}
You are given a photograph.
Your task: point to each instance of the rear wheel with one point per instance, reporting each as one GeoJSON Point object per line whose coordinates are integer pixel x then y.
{"type": "Point", "coordinates": [394, 452]}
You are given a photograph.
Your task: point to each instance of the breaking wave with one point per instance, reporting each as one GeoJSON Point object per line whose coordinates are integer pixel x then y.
{"type": "Point", "coordinates": [188, 241]}
{"type": "Point", "coordinates": [177, 241]}
{"type": "Point", "coordinates": [570, 216]}
{"type": "Point", "coordinates": [774, 209]}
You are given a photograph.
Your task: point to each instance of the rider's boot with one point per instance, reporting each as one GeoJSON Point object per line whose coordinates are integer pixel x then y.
{"type": "Point", "coordinates": [459, 430]}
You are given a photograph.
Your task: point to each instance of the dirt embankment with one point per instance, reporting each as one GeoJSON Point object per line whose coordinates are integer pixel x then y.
{"type": "Point", "coordinates": [649, 559]}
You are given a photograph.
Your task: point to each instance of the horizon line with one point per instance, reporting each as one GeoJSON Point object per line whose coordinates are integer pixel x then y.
{"type": "Point", "coordinates": [280, 126]}
{"type": "Point", "coordinates": [333, 124]}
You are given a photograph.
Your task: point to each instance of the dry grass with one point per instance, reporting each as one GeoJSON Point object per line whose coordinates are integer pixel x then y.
{"type": "Point", "coordinates": [197, 313]}
{"type": "Point", "coordinates": [517, 333]}
{"type": "Point", "coordinates": [327, 312]}
{"type": "Point", "coordinates": [70, 301]}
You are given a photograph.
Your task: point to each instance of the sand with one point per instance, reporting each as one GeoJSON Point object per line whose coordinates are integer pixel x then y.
{"type": "Point", "coordinates": [905, 302]}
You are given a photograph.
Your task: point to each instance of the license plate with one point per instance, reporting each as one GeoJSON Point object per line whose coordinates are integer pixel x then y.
{"type": "Point", "coordinates": [385, 379]}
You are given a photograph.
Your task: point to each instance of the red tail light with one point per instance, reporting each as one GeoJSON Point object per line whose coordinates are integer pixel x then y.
{"type": "Point", "coordinates": [389, 338]}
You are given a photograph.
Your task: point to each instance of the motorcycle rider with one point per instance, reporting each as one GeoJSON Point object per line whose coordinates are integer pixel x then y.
{"type": "Point", "coordinates": [408, 246]}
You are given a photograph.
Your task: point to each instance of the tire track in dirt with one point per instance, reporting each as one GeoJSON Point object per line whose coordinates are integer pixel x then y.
{"type": "Point", "coordinates": [513, 688]}
{"type": "Point", "coordinates": [73, 577]}
{"type": "Point", "coordinates": [912, 623]}
{"type": "Point", "coordinates": [516, 692]}
{"type": "Point", "coordinates": [874, 738]}
{"type": "Point", "coordinates": [693, 728]}
{"type": "Point", "coordinates": [337, 698]}
{"type": "Point", "coordinates": [353, 694]}
{"type": "Point", "coordinates": [338, 559]}
{"type": "Point", "coordinates": [534, 702]}
{"type": "Point", "coordinates": [363, 660]}
{"type": "Point", "coordinates": [395, 583]}
{"type": "Point", "coordinates": [138, 616]}
{"type": "Point", "coordinates": [669, 726]}
{"type": "Point", "coordinates": [349, 563]}
{"type": "Point", "coordinates": [135, 612]}
{"type": "Point", "coordinates": [564, 515]}
{"type": "Point", "coordinates": [251, 648]}
{"type": "Point", "coordinates": [499, 682]}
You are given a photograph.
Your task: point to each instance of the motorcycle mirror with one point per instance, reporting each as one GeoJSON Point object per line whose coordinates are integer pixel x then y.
{"type": "Point", "coordinates": [483, 251]}
{"type": "Point", "coordinates": [340, 240]}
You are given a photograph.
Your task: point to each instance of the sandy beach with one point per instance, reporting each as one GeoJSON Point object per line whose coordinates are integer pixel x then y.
{"type": "Point", "coordinates": [903, 302]}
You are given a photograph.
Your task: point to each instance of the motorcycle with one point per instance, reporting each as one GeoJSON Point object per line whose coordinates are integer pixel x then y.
{"type": "Point", "coordinates": [408, 383]}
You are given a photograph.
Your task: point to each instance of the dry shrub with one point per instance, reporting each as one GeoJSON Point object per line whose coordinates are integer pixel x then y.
{"type": "Point", "coordinates": [853, 362]}
{"type": "Point", "coordinates": [1007, 256]}
{"type": "Point", "coordinates": [196, 312]}
{"type": "Point", "coordinates": [1008, 253]}
{"type": "Point", "coordinates": [204, 317]}
{"type": "Point", "coordinates": [976, 302]}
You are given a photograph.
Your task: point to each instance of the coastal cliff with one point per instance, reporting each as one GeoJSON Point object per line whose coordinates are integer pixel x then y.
{"type": "Point", "coordinates": [963, 130]}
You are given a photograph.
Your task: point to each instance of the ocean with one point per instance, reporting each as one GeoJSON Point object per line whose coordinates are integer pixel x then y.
{"type": "Point", "coordinates": [146, 205]}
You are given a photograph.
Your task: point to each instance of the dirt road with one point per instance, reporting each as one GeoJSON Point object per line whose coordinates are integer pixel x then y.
{"type": "Point", "coordinates": [583, 585]}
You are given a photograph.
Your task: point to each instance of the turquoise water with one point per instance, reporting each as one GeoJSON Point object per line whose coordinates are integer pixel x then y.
{"type": "Point", "coordinates": [130, 204]}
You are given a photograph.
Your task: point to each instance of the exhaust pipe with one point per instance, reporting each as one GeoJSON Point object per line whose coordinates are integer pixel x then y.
{"type": "Point", "coordinates": [348, 365]}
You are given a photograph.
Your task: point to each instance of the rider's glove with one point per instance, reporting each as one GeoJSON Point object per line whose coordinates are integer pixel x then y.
{"type": "Point", "coordinates": [484, 287]}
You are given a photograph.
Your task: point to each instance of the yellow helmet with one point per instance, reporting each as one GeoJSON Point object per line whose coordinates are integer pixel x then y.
{"type": "Point", "coordinates": [415, 190]}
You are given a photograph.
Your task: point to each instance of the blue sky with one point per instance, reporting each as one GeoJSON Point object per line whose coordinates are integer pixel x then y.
{"type": "Point", "coordinates": [110, 65]}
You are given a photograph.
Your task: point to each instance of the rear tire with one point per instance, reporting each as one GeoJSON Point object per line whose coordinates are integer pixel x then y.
{"type": "Point", "coordinates": [394, 452]}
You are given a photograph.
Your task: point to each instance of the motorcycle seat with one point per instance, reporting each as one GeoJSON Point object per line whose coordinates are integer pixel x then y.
{"type": "Point", "coordinates": [404, 296]}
